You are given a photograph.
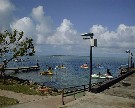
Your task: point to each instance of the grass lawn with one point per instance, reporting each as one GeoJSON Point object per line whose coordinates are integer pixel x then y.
{"type": "Point", "coordinates": [19, 88]}
{"type": "Point", "coordinates": [13, 86]}
{"type": "Point", "coordinates": [4, 101]}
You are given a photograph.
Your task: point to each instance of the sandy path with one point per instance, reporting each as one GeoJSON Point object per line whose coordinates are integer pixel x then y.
{"type": "Point", "coordinates": [101, 101]}
{"type": "Point", "coordinates": [21, 97]}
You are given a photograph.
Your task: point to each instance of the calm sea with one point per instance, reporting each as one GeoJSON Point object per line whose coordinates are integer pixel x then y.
{"type": "Point", "coordinates": [72, 75]}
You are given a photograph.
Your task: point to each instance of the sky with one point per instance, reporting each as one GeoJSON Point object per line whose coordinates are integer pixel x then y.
{"type": "Point", "coordinates": [56, 25]}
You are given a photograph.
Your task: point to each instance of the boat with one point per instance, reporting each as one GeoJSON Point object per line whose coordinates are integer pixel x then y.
{"type": "Point", "coordinates": [47, 73]}
{"type": "Point", "coordinates": [101, 76]}
{"type": "Point", "coordinates": [99, 66]}
{"type": "Point", "coordinates": [85, 66]}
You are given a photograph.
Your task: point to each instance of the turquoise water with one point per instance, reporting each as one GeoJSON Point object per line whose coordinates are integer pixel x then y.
{"type": "Point", "coordinates": [72, 75]}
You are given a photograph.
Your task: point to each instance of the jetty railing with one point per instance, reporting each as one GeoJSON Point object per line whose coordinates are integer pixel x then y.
{"type": "Point", "coordinates": [72, 91]}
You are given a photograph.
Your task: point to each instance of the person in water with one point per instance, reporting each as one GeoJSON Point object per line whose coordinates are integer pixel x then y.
{"type": "Point", "coordinates": [99, 74]}
{"type": "Point", "coordinates": [85, 65]}
{"type": "Point", "coordinates": [49, 68]}
{"type": "Point", "coordinates": [108, 72]}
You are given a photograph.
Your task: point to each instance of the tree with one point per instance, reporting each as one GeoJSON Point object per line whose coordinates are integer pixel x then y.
{"type": "Point", "coordinates": [16, 45]}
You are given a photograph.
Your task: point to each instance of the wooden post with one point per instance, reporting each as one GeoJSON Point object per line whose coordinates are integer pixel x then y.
{"type": "Point", "coordinates": [74, 92]}
{"type": "Point", "coordinates": [63, 97]}
{"type": "Point", "coordinates": [84, 90]}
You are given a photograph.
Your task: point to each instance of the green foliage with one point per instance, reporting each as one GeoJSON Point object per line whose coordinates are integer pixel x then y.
{"type": "Point", "coordinates": [16, 44]}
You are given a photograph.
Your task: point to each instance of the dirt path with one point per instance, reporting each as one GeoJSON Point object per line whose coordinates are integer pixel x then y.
{"type": "Point", "coordinates": [101, 101]}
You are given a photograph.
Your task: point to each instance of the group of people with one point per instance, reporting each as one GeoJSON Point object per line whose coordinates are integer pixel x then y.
{"type": "Point", "coordinates": [108, 73]}
{"type": "Point", "coordinates": [50, 68]}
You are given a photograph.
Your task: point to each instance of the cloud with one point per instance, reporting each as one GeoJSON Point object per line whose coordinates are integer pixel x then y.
{"type": "Point", "coordinates": [65, 34]}
{"type": "Point", "coordinates": [44, 24]}
{"type": "Point", "coordinates": [40, 27]}
{"type": "Point", "coordinates": [25, 24]}
{"type": "Point", "coordinates": [123, 37]}
{"type": "Point", "coordinates": [65, 37]}
{"type": "Point", "coordinates": [38, 13]}
{"type": "Point", "coordinates": [6, 14]}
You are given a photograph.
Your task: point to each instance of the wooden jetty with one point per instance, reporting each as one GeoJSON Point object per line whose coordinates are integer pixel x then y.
{"type": "Point", "coordinates": [30, 68]}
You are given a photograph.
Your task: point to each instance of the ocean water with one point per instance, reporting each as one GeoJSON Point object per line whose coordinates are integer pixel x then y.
{"type": "Point", "coordinates": [72, 75]}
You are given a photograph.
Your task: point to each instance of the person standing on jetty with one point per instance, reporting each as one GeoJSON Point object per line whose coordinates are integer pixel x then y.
{"type": "Point", "coordinates": [108, 72]}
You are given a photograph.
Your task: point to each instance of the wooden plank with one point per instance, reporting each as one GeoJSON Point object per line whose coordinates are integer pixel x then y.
{"type": "Point", "coordinates": [12, 68]}
{"type": "Point", "coordinates": [24, 67]}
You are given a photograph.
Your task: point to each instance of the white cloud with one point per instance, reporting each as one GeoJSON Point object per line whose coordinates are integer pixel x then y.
{"type": "Point", "coordinates": [65, 34]}
{"type": "Point", "coordinates": [6, 11]}
{"type": "Point", "coordinates": [44, 25]}
{"type": "Point", "coordinates": [38, 13]}
{"type": "Point", "coordinates": [123, 37]}
{"type": "Point", "coordinates": [40, 27]}
{"type": "Point", "coordinates": [25, 24]}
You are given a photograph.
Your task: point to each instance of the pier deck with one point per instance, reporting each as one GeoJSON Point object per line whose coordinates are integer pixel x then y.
{"type": "Point", "coordinates": [30, 68]}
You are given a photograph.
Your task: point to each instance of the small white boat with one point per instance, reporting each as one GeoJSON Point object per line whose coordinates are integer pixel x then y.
{"type": "Point", "coordinates": [101, 76]}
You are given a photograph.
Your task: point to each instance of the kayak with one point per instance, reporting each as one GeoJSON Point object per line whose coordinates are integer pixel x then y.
{"type": "Point", "coordinates": [46, 73]}
{"type": "Point", "coordinates": [101, 76]}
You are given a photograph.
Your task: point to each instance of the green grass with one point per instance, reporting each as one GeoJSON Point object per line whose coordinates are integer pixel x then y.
{"type": "Point", "coordinates": [18, 88]}
{"type": "Point", "coordinates": [25, 89]}
{"type": "Point", "coordinates": [15, 86]}
{"type": "Point", "coordinates": [4, 101]}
